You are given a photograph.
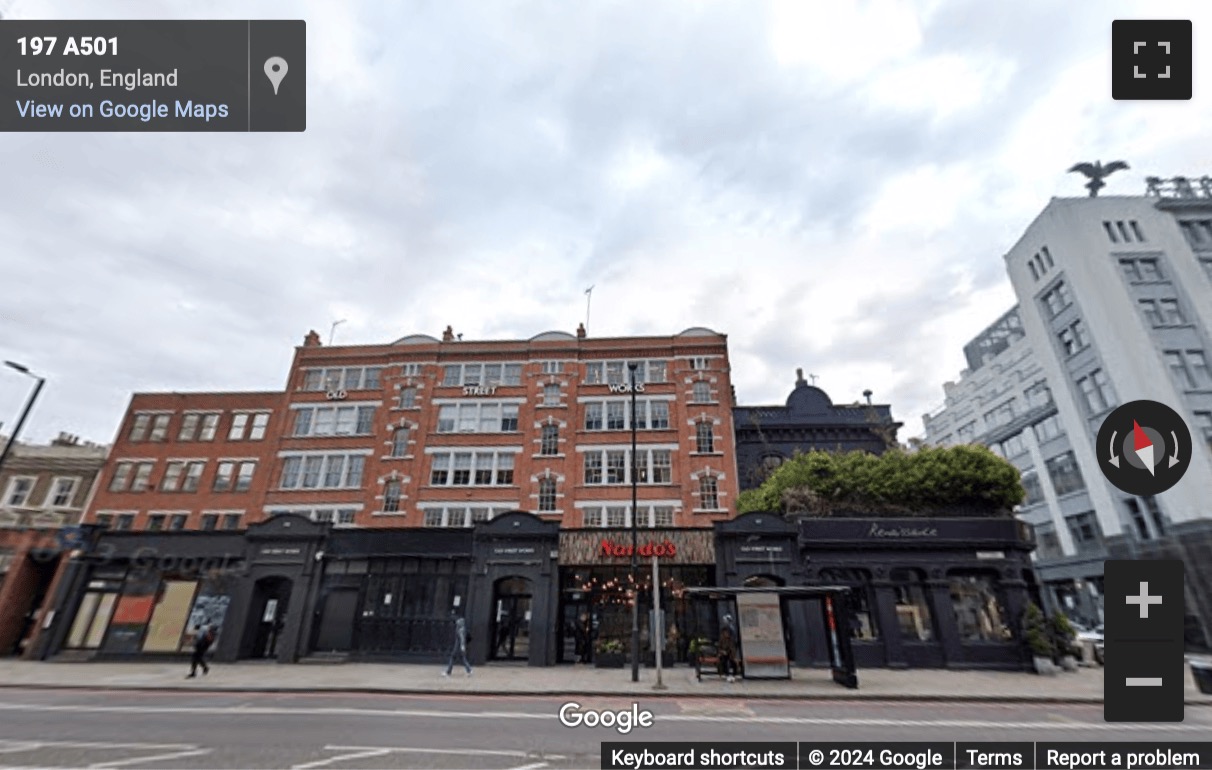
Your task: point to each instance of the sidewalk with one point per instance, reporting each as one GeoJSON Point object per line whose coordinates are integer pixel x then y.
{"type": "Point", "coordinates": [1084, 686]}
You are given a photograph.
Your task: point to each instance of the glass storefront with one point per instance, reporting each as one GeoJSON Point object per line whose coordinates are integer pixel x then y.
{"type": "Point", "coordinates": [596, 609]}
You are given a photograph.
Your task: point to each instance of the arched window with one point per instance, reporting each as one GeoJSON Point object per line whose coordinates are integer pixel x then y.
{"type": "Point", "coordinates": [709, 493]}
{"type": "Point", "coordinates": [391, 497]}
{"type": "Point", "coordinates": [705, 436]}
{"type": "Point", "coordinates": [702, 392]}
{"type": "Point", "coordinates": [549, 444]}
{"type": "Point", "coordinates": [912, 606]}
{"type": "Point", "coordinates": [408, 398]}
{"type": "Point", "coordinates": [980, 612]}
{"type": "Point", "coordinates": [547, 495]}
{"type": "Point", "coordinates": [399, 442]}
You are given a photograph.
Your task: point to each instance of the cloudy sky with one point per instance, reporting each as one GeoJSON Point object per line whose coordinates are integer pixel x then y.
{"type": "Point", "coordinates": [832, 184]}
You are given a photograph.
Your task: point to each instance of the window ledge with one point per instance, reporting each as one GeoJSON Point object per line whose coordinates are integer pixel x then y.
{"type": "Point", "coordinates": [560, 456]}
{"type": "Point", "coordinates": [706, 454]}
{"type": "Point", "coordinates": [396, 514]}
{"type": "Point", "coordinates": [708, 510]}
{"type": "Point", "coordinates": [397, 457]}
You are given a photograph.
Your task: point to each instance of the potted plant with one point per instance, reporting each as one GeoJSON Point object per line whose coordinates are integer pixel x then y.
{"type": "Point", "coordinates": [1035, 635]}
{"type": "Point", "coordinates": [609, 654]}
{"type": "Point", "coordinates": [1064, 636]}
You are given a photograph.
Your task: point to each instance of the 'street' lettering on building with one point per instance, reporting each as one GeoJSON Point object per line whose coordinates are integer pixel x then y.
{"type": "Point", "coordinates": [479, 390]}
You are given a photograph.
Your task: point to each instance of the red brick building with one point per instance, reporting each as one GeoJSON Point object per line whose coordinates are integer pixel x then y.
{"type": "Point", "coordinates": [44, 488]}
{"type": "Point", "coordinates": [189, 461]}
{"type": "Point", "coordinates": [427, 432]}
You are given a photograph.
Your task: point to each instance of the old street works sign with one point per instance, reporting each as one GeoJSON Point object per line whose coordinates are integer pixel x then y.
{"type": "Point", "coordinates": [613, 546]}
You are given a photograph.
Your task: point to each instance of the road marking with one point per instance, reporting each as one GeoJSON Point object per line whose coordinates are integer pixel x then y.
{"type": "Point", "coordinates": [18, 747]}
{"type": "Point", "coordinates": [139, 760]}
{"type": "Point", "coordinates": [535, 766]}
{"type": "Point", "coordinates": [461, 752]}
{"type": "Point", "coordinates": [341, 758]}
{"type": "Point", "coordinates": [501, 715]}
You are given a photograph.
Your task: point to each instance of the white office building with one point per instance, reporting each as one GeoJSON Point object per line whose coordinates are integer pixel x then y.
{"type": "Point", "coordinates": [1115, 305]}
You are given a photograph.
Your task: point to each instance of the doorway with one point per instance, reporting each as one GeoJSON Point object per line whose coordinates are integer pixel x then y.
{"type": "Point", "coordinates": [511, 620]}
{"type": "Point", "coordinates": [267, 616]}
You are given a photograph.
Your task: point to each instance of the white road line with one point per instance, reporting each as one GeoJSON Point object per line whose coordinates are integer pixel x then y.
{"type": "Point", "coordinates": [100, 745]}
{"type": "Point", "coordinates": [341, 758]}
{"type": "Point", "coordinates": [659, 719]}
{"type": "Point", "coordinates": [151, 758]}
{"type": "Point", "coordinates": [462, 752]}
{"type": "Point", "coordinates": [535, 766]}
{"type": "Point", "coordinates": [17, 747]}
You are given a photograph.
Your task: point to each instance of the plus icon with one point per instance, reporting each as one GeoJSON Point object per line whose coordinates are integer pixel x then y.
{"type": "Point", "coordinates": [1151, 59]}
{"type": "Point", "coordinates": [1144, 600]}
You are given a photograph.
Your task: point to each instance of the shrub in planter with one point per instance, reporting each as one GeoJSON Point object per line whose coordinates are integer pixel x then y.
{"type": "Point", "coordinates": [609, 654]}
{"type": "Point", "coordinates": [1064, 637]}
{"type": "Point", "coordinates": [1038, 640]}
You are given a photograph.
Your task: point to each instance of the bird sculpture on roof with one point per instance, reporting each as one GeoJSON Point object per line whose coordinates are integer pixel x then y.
{"type": "Point", "coordinates": [1096, 172]}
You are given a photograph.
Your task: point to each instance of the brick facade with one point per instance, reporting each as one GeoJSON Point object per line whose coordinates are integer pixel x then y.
{"type": "Point", "coordinates": [193, 428]}
{"type": "Point", "coordinates": [423, 432]}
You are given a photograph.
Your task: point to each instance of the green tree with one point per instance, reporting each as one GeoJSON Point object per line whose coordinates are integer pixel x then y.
{"type": "Point", "coordinates": [1035, 632]}
{"type": "Point", "coordinates": [933, 481]}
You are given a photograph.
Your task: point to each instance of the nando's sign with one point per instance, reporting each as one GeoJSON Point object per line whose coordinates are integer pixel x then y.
{"type": "Point", "coordinates": [617, 550]}
{"type": "Point", "coordinates": [613, 546]}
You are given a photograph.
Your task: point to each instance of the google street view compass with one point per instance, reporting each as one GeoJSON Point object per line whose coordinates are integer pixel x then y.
{"type": "Point", "coordinates": [1144, 448]}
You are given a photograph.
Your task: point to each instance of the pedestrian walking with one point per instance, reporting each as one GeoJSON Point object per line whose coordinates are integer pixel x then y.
{"type": "Point", "coordinates": [203, 639]}
{"type": "Point", "coordinates": [459, 647]}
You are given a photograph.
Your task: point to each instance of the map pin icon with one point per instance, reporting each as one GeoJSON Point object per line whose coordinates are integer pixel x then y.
{"type": "Point", "coordinates": [275, 70]}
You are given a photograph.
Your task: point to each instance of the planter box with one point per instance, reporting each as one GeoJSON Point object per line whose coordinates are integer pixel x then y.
{"type": "Point", "coordinates": [667, 660]}
{"type": "Point", "coordinates": [609, 660]}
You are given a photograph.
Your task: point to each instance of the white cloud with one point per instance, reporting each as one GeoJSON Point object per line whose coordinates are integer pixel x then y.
{"type": "Point", "coordinates": [832, 184]}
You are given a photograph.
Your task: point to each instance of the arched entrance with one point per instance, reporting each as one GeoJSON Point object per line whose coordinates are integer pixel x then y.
{"type": "Point", "coordinates": [511, 600]}
{"type": "Point", "coordinates": [267, 616]}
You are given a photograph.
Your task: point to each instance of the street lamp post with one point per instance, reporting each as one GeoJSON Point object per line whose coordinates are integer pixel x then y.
{"type": "Point", "coordinates": [635, 582]}
{"type": "Point", "coordinates": [29, 405]}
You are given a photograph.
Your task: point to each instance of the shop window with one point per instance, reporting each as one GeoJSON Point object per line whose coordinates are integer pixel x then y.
{"type": "Point", "coordinates": [862, 621]}
{"type": "Point", "coordinates": [980, 614]}
{"type": "Point", "coordinates": [912, 606]}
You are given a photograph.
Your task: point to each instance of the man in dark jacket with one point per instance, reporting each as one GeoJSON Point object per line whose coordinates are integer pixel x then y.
{"type": "Point", "coordinates": [458, 650]}
{"type": "Point", "coordinates": [202, 642]}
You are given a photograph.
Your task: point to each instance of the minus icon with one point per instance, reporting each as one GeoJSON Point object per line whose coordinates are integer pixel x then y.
{"type": "Point", "coordinates": [1143, 681]}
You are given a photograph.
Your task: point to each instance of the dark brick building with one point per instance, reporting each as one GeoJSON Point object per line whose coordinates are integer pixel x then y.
{"type": "Point", "coordinates": [768, 435]}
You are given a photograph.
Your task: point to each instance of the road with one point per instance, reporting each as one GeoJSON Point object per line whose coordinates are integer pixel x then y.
{"type": "Point", "coordinates": [327, 731]}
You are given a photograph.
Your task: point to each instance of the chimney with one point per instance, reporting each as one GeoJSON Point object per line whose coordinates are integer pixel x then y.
{"type": "Point", "coordinates": [448, 335]}
{"type": "Point", "coordinates": [312, 340]}
{"type": "Point", "coordinates": [867, 393]}
{"type": "Point", "coordinates": [580, 331]}
{"type": "Point", "coordinates": [799, 378]}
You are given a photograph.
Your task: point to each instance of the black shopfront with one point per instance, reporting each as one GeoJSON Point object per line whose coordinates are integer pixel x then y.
{"type": "Point", "coordinates": [924, 592]}
{"type": "Point", "coordinates": [941, 592]}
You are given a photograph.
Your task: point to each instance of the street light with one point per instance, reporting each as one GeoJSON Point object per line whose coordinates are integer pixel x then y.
{"type": "Point", "coordinates": [635, 582]}
{"type": "Point", "coordinates": [29, 404]}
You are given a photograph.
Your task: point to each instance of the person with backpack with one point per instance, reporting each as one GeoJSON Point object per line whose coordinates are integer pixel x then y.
{"type": "Point", "coordinates": [204, 638]}
{"type": "Point", "coordinates": [459, 646]}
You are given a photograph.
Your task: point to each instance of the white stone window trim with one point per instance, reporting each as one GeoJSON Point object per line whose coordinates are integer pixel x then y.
{"type": "Point", "coordinates": [517, 450]}
{"type": "Point", "coordinates": [325, 404]}
{"type": "Point", "coordinates": [325, 452]}
{"type": "Point", "coordinates": [11, 487]}
{"type": "Point", "coordinates": [49, 502]}
{"type": "Point", "coordinates": [640, 446]}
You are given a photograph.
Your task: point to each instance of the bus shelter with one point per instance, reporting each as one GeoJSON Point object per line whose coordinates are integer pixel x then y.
{"type": "Point", "coordinates": [760, 615]}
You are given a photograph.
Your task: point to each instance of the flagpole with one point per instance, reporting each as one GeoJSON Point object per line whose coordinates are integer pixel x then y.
{"type": "Point", "coordinates": [588, 299]}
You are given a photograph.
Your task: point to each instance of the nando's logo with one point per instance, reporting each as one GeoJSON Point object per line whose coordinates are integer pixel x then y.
{"type": "Point", "coordinates": [621, 550]}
